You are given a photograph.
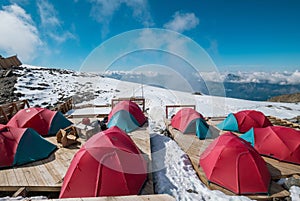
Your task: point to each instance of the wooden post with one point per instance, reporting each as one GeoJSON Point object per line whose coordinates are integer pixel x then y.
{"type": "Point", "coordinates": [3, 113]}
{"type": "Point", "coordinates": [20, 192]}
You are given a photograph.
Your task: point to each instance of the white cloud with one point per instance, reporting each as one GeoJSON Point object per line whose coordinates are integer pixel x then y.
{"type": "Point", "coordinates": [163, 40]}
{"type": "Point", "coordinates": [104, 10]}
{"type": "Point", "coordinates": [18, 33]}
{"type": "Point", "coordinates": [281, 78]}
{"type": "Point", "coordinates": [19, 2]}
{"type": "Point", "coordinates": [182, 22]}
{"type": "Point", "coordinates": [50, 22]}
{"type": "Point", "coordinates": [48, 14]}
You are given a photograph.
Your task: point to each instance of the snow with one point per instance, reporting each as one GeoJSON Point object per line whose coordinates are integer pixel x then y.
{"type": "Point", "coordinates": [89, 110]}
{"type": "Point", "coordinates": [174, 173]}
{"type": "Point", "coordinates": [295, 195]}
{"type": "Point", "coordinates": [102, 90]}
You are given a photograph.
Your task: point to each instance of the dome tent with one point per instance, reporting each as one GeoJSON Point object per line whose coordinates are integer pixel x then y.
{"type": "Point", "coordinates": [44, 121]}
{"type": "Point", "coordinates": [234, 164]}
{"type": "Point", "coordinates": [19, 146]}
{"type": "Point", "coordinates": [278, 142]}
{"type": "Point", "coordinates": [108, 164]}
{"type": "Point", "coordinates": [188, 120]}
{"type": "Point", "coordinates": [244, 120]}
{"type": "Point", "coordinates": [127, 115]}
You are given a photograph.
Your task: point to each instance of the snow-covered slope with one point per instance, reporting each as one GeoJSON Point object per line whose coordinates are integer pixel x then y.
{"type": "Point", "coordinates": [173, 171]}
{"type": "Point", "coordinates": [44, 87]}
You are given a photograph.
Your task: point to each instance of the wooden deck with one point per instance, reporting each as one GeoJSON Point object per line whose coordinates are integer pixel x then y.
{"type": "Point", "coordinates": [44, 175]}
{"type": "Point", "coordinates": [141, 137]}
{"type": "Point", "coordinates": [278, 169]}
{"type": "Point", "coordinates": [47, 175]}
{"type": "Point", "coordinates": [194, 147]}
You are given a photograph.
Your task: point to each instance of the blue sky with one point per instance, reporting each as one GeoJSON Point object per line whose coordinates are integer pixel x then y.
{"type": "Point", "coordinates": [245, 35]}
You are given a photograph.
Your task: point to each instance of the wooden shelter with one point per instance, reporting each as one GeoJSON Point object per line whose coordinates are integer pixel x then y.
{"type": "Point", "coordinates": [7, 111]}
{"type": "Point", "coordinates": [9, 62]}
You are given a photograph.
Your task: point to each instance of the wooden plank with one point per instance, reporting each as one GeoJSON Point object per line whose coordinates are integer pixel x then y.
{"type": "Point", "coordinates": [158, 197]}
{"type": "Point", "coordinates": [141, 138]}
{"type": "Point", "coordinates": [178, 106]}
{"type": "Point", "coordinates": [21, 179]}
{"type": "Point", "coordinates": [4, 114]}
{"type": "Point", "coordinates": [20, 192]}
{"type": "Point", "coordinates": [56, 172]}
{"type": "Point", "coordinates": [138, 101]}
{"type": "Point", "coordinates": [280, 169]}
{"type": "Point", "coordinates": [43, 175]}
{"type": "Point", "coordinates": [3, 178]}
{"type": "Point", "coordinates": [47, 177]}
{"type": "Point", "coordinates": [8, 110]}
{"type": "Point", "coordinates": [11, 176]}
{"type": "Point", "coordinates": [283, 122]}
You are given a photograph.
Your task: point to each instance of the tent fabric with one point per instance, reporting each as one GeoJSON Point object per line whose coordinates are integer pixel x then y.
{"type": "Point", "coordinates": [234, 164]}
{"type": "Point", "coordinates": [44, 121]}
{"type": "Point", "coordinates": [244, 120]}
{"type": "Point", "coordinates": [22, 145]}
{"type": "Point", "coordinates": [188, 120]}
{"type": "Point", "coordinates": [108, 164]}
{"type": "Point", "coordinates": [278, 142]}
{"type": "Point", "coordinates": [127, 115]}
{"type": "Point", "coordinates": [230, 124]}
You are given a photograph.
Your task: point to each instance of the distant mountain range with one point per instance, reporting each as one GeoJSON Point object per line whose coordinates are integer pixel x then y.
{"type": "Point", "coordinates": [258, 86]}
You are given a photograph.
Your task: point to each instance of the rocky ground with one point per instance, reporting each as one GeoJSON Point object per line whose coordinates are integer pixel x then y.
{"type": "Point", "coordinates": [289, 98]}
{"type": "Point", "coordinates": [8, 79]}
{"type": "Point", "coordinates": [7, 84]}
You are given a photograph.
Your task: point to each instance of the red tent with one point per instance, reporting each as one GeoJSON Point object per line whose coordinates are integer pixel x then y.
{"type": "Point", "coordinates": [127, 115]}
{"type": "Point", "coordinates": [109, 164]}
{"type": "Point", "coordinates": [184, 117]}
{"type": "Point", "coordinates": [44, 121]}
{"type": "Point", "coordinates": [277, 142]}
{"type": "Point", "coordinates": [234, 164]}
{"type": "Point", "coordinates": [251, 118]}
{"type": "Point", "coordinates": [188, 120]}
{"type": "Point", "coordinates": [22, 145]}
{"type": "Point", "coordinates": [132, 108]}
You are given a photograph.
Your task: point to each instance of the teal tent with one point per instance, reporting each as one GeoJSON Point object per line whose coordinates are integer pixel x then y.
{"type": "Point", "coordinates": [127, 116]}
{"type": "Point", "coordinates": [188, 120]}
{"type": "Point", "coordinates": [22, 145]}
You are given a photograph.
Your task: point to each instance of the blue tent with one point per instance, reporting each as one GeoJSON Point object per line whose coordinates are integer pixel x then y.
{"type": "Point", "coordinates": [124, 120]}
{"type": "Point", "coordinates": [229, 124]}
{"type": "Point", "coordinates": [188, 120]}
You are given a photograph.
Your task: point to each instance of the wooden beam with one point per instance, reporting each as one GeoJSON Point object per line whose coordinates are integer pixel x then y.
{"type": "Point", "coordinates": [20, 192]}
{"type": "Point", "coordinates": [4, 114]}
{"type": "Point", "coordinates": [138, 101]}
{"type": "Point", "coordinates": [177, 106]}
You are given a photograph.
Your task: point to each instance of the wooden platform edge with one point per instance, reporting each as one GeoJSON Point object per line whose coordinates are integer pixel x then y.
{"type": "Point", "coordinates": [155, 197]}
{"type": "Point", "coordinates": [282, 122]}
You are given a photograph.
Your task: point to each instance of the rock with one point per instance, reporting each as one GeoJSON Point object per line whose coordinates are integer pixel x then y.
{"type": "Point", "coordinates": [292, 181]}
{"type": "Point", "coordinates": [289, 98]}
